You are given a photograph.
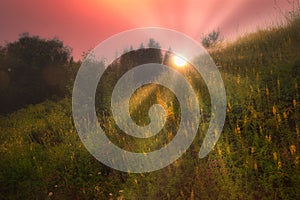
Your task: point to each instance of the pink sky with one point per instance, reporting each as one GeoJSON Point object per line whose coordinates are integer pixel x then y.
{"type": "Point", "coordinates": [82, 24]}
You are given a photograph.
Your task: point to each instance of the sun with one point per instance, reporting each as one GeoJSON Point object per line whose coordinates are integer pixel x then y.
{"type": "Point", "coordinates": [179, 61]}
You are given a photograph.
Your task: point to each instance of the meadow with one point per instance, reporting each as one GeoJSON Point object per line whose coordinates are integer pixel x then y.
{"type": "Point", "coordinates": [256, 157]}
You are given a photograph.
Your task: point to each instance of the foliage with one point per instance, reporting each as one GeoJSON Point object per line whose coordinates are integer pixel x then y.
{"type": "Point", "coordinates": [32, 69]}
{"type": "Point", "coordinates": [211, 39]}
{"type": "Point", "coordinates": [257, 156]}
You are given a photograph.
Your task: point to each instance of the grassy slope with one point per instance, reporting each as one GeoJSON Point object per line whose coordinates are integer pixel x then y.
{"type": "Point", "coordinates": [257, 156]}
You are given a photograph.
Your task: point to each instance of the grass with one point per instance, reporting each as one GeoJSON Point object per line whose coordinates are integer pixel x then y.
{"type": "Point", "coordinates": [257, 156]}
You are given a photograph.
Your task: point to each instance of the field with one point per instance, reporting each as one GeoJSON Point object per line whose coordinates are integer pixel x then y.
{"type": "Point", "coordinates": [257, 156]}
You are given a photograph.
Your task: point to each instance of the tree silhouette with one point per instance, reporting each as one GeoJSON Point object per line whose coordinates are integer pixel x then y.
{"type": "Point", "coordinates": [211, 39]}
{"type": "Point", "coordinates": [36, 69]}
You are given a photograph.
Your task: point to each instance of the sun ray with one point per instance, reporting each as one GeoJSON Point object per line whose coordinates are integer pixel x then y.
{"type": "Point", "coordinates": [179, 61]}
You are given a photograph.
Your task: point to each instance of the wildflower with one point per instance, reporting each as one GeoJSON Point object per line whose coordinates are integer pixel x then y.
{"type": "Point", "coordinates": [285, 115]}
{"type": "Point", "coordinates": [228, 149]}
{"type": "Point", "coordinates": [251, 89]}
{"type": "Point", "coordinates": [219, 152]}
{"type": "Point", "coordinates": [216, 133]}
{"type": "Point", "coordinates": [252, 150]}
{"type": "Point", "coordinates": [50, 194]}
{"type": "Point", "coordinates": [255, 166]}
{"type": "Point", "coordinates": [275, 156]}
{"type": "Point", "coordinates": [238, 81]}
{"type": "Point", "coordinates": [278, 118]}
{"type": "Point", "coordinates": [268, 138]}
{"type": "Point", "coordinates": [274, 110]}
{"type": "Point", "coordinates": [267, 91]}
{"type": "Point", "coordinates": [279, 165]}
{"type": "Point", "coordinates": [97, 188]}
{"type": "Point", "coordinates": [254, 115]}
{"type": "Point", "coordinates": [238, 130]}
{"type": "Point", "coordinates": [229, 105]}
{"type": "Point", "coordinates": [260, 129]}
{"type": "Point", "coordinates": [297, 160]}
{"type": "Point", "coordinates": [293, 149]}
{"type": "Point", "coordinates": [294, 103]}
{"type": "Point", "coordinates": [245, 119]}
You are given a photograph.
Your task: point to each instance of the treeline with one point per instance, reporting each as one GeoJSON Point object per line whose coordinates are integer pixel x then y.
{"type": "Point", "coordinates": [33, 70]}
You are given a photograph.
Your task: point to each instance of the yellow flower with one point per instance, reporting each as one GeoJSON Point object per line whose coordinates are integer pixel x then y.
{"type": "Point", "coordinates": [254, 115]}
{"type": "Point", "coordinates": [252, 150]}
{"type": "Point", "coordinates": [295, 103]}
{"type": "Point", "coordinates": [278, 118]}
{"type": "Point", "coordinates": [97, 188]}
{"type": "Point", "coordinates": [285, 115]}
{"type": "Point", "coordinates": [255, 166]}
{"type": "Point", "coordinates": [260, 129]}
{"type": "Point", "coordinates": [275, 156]}
{"type": "Point", "coordinates": [267, 91]}
{"type": "Point", "coordinates": [238, 81]}
{"type": "Point", "coordinates": [279, 165]}
{"type": "Point", "coordinates": [245, 119]}
{"type": "Point", "coordinates": [293, 149]}
{"type": "Point", "coordinates": [238, 130]}
{"type": "Point", "coordinates": [251, 89]}
{"type": "Point", "coordinates": [268, 138]}
{"type": "Point", "coordinates": [297, 160]}
{"type": "Point", "coordinates": [274, 110]}
{"type": "Point", "coordinates": [228, 149]}
{"type": "Point", "coordinates": [229, 107]}
{"type": "Point", "coordinates": [219, 152]}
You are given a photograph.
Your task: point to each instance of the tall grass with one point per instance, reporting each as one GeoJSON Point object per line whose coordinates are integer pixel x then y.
{"type": "Point", "coordinates": [257, 156]}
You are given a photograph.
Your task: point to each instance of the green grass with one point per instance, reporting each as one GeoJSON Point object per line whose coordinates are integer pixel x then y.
{"type": "Point", "coordinates": [257, 156]}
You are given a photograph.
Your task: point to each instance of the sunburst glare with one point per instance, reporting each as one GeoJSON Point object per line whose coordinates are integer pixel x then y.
{"type": "Point", "coordinates": [179, 61]}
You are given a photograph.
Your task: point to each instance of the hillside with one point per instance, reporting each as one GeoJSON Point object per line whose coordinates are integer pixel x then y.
{"type": "Point", "coordinates": [257, 156]}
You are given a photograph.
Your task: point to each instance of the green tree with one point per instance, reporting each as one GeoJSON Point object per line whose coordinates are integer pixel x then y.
{"type": "Point", "coordinates": [153, 44]}
{"type": "Point", "coordinates": [36, 70]}
{"type": "Point", "coordinates": [211, 39]}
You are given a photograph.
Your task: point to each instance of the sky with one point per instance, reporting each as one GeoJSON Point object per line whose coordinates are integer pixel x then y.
{"type": "Point", "coordinates": [83, 24]}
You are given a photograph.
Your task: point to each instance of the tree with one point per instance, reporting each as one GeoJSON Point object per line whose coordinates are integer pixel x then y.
{"type": "Point", "coordinates": [211, 39]}
{"type": "Point", "coordinates": [167, 56]}
{"type": "Point", "coordinates": [141, 46]}
{"type": "Point", "coordinates": [36, 69]}
{"type": "Point", "coordinates": [153, 44]}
